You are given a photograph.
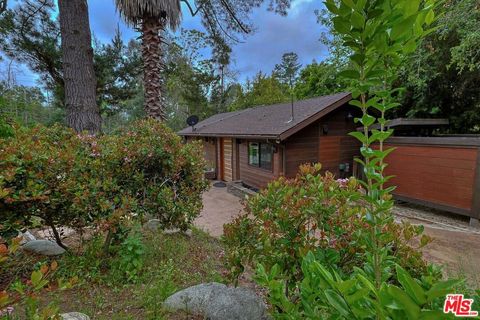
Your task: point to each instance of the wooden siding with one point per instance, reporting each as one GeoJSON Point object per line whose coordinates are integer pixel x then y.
{"type": "Point", "coordinates": [336, 146]}
{"type": "Point", "coordinates": [441, 175]}
{"type": "Point", "coordinates": [301, 148]}
{"type": "Point", "coordinates": [253, 176]}
{"type": "Point", "coordinates": [227, 159]}
{"type": "Point", "coordinates": [312, 144]}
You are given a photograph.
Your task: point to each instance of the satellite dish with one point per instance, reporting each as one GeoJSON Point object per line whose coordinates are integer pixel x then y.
{"type": "Point", "coordinates": [192, 120]}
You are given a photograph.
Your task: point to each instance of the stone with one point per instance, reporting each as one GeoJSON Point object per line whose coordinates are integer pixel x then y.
{"type": "Point", "coordinates": [155, 225]}
{"type": "Point", "coordinates": [26, 237]}
{"type": "Point", "coordinates": [216, 301]}
{"type": "Point", "coordinates": [74, 316]}
{"type": "Point", "coordinates": [43, 247]}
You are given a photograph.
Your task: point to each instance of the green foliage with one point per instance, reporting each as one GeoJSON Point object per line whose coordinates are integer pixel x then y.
{"type": "Point", "coordinates": [78, 180]}
{"type": "Point", "coordinates": [25, 294]}
{"type": "Point", "coordinates": [263, 90]}
{"type": "Point", "coordinates": [312, 213]}
{"type": "Point", "coordinates": [287, 70]}
{"type": "Point", "coordinates": [318, 79]}
{"type": "Point", "coordinates": [441, 76]}
{"type": "Point", "coordinates": [327, 295]}
{"type": "Point", "coordinates": [131, 253]}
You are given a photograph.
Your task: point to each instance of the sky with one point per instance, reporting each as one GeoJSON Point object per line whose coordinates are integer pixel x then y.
{"type": "Point", "coordinates": [274, 35]}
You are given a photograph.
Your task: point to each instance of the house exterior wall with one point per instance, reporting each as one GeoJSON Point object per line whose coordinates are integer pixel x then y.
{"type": "Point", "coordinates": [325, 141]}
{"type": "Point", "coordinates": [445, 177]}
{"type": "Point", "coordinates": [227, 159]}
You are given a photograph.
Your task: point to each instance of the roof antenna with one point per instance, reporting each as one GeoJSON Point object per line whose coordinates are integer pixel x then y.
{"type": "Point", "coordinates": [292, 116]}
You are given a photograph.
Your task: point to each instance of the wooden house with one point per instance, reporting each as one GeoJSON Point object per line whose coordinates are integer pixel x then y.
{"type": "Point", "coordinates": [257, 145]}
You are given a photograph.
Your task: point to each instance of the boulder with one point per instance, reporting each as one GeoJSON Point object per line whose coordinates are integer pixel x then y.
{"type": "Point", "coordinates": [43, 247]}
{"type": "Point", "coordinates": [155, 225]}
{"type": "Point", "coordinates": [74, 316]}
{"type": "Point", "coordinates": [26, 236]}
{"type": "Point", "coordinates": [216, 301]}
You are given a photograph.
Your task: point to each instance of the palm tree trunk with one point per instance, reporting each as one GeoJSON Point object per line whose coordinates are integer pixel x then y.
{"type": "Point", "coordinates": [79, 75]}
{"type": "Point", "coordinates": [153, 67]}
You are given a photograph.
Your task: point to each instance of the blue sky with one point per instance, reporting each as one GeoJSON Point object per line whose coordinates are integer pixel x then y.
{"type": "Point", "coordinates": [274, 35]}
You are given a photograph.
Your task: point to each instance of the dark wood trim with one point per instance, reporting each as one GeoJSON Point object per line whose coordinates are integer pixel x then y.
{"type": "Point", "coordinates": [259, 156]}
{"type": "Point", "coordinates": [284, 135]}
{"type": "Point", "coordinates": [476, 189]}
{"type": "Point", "coordinates": [229, 135]}
{"type": "Point", "coordinates": [222, 161]}
{"type": "Point", "coordinates": [437, 141]}
{"type": "Point", "coordinates": [434, 205]}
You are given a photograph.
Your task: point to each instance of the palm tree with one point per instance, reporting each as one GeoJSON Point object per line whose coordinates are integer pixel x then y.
{"type": "Point", "coordinates": [151, 17]}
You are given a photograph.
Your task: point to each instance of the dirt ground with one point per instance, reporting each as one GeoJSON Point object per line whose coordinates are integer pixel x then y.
{"type": "Point", "coordinates": [456, 246]}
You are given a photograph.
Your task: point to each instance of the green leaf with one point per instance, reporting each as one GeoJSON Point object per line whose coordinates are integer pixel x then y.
{"type": "Point", "coordinates": [36, 277]}
{"type": "Point", "coordinates": [358, 21]}
{"type": "Point", "coordinates": [407, 304]}
{"type": "Point", "coordinates": [337, 302]}
{"type": "Point", "coordinates": [359, 135]}
{"type": "Point", "coordinates": [349, 3]}
{"type": "Point", "coordinates": [349, 74]}
{"type": "Point", "coordinates": [430, 17]}
{"type": "Point", "coordinates": [341, 25]}
{"type": "Point", "coordinates": [331, 6]}
{"type": "Point", "coordinates": [411, 7]}
{"type": "Point", "coordinates": [412, 288]}
{"type": "Point", "coordinates": [402, 28]}
{"type": "Point", "coordinates": [440, 289]}
{"type": "Point", "coordinates": [367, 120]}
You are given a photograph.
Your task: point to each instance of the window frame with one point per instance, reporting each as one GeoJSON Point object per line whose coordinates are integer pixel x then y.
{"type": "Point", "coordinates": [272, 148]}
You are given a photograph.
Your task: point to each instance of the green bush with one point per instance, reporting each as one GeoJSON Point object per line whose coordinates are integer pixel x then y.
{"type": "Point", "coordinates": [316, 213]}
{"type": "Point", "coordinates": [55, 177]}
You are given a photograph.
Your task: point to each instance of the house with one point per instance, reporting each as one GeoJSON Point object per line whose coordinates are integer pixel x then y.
{"type": "Point", "coordinates": [259, 144]}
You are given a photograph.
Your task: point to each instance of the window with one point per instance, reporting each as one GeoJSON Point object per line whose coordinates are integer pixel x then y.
{"type": "Point", "coordinates": [260, 155]}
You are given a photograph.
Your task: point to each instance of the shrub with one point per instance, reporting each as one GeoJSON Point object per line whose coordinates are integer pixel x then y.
{"type": "Point", "coordinates": [316, 213]}
{"type": "Point", "coordinates": [65, 179]}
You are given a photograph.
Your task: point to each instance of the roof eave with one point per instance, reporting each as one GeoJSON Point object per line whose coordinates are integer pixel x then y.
{"type": "Point", "coordinates": [230, 135]}
{"type": "Point", "coordinates": [299, 126]}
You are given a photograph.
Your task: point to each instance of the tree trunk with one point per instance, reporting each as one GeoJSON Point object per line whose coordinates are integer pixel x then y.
{"type": "Point", "coordinates": [153, 67]}
{"type": "Point", "coordinates": [82, 111]}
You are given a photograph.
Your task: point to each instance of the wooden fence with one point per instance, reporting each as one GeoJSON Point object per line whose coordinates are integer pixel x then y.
{"type": "Point", "coordinates": [438, 172]}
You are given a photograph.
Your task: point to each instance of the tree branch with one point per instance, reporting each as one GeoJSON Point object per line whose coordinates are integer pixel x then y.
{"type": "Point", "coordinates": [234, 17]}
{"type": "Point", "coordinates": [189, 6]}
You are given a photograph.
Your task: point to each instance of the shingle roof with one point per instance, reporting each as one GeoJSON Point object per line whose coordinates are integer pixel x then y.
{"type": "Point", "coordinates": [269, 122]}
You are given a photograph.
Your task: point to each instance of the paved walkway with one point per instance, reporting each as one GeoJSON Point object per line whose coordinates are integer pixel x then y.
{"type": "Point", "coordinates": [219, 207]}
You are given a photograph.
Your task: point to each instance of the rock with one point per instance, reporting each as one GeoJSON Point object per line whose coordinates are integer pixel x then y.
{"type": "Point", "coordinates": [155, 225]}
{"type": "Point", "coordinates": [175, 231]}
{"type": "Point", "coordinates": [44, 247]}
{"type": "Point", "coordinates": [26, 237]}
{"type": "Point", "coordinates": [74, 316]}
{"type": "Point", "coordinates": [216, 301]}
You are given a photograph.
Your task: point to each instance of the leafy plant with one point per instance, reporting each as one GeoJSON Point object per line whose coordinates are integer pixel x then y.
{"type": "Point", "coordinates": [130, 260]}
{"type": "Point", "coordinates": [312, 213]}
{"type": "Point", "coordinates": [26, 292]}
{"type": "Point", "coordinates": [109, 181]}
{"type": "Point", "coordinates": [327, 295]}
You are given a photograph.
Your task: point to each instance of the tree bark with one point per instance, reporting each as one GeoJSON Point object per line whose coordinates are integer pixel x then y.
{"type": "Point", "coordinates": [82, 112]}
{"type": "Point", "coordinates": [154, 103]}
